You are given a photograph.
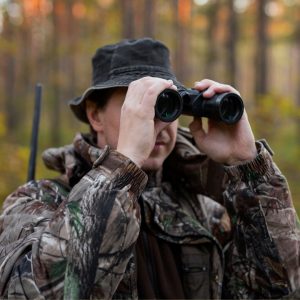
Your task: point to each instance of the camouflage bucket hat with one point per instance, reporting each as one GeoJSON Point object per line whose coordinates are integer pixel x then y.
{"type": "Point", "coordinates": [119, 64]}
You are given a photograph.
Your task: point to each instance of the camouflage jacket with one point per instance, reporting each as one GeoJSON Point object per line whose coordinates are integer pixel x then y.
{"type": "Point", "coordinates": [74, 236]}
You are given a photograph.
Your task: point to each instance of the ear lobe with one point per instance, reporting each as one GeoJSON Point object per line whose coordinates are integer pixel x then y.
{"type": "Point", "coordinates": [94, 116]}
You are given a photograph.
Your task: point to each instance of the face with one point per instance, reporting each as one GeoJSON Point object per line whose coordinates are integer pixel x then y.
{"type": "Point", "coordinates": [108, 132]}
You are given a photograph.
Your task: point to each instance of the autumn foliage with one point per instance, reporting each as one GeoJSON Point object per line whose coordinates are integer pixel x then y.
{"type": "Point", "coordinates": [253, 45]}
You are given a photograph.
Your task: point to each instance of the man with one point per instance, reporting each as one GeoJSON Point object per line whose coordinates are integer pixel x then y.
{"type": "Point", "coordinates": [144, 209]}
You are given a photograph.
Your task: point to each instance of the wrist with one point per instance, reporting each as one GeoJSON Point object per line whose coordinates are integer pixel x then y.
{"type": "Point", "coordinates": [243, 158]}
{"type": "Point", "coordinates": [260, 167]}
{"type": "Point", "coordinates": [131, 155]}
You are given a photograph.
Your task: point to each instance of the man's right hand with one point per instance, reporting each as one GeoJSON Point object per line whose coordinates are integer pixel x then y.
{"type": "Point", "coordinates": [138, 130]}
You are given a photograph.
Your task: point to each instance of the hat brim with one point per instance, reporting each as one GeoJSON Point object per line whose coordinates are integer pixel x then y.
{"type": "Point", "coordinates": [78, 104]}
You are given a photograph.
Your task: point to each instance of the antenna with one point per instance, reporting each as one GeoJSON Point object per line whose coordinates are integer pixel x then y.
{"type": "Point", "coordinates": [34, 132]}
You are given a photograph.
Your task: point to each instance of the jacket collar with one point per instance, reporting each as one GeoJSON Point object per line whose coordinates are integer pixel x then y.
{"type": "Point", "coordinates": [74, 160]}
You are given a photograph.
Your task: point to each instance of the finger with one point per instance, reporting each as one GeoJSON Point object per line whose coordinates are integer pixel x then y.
{"type": "Point", "coordinates": [173, 87]}
{"type": "Point", "coordinates": [140, 89]}
{"type": "Point", "coordinates": [212, 87]}
{"type": "Point", "coordinates": [212, 90]}
{"type": "Point", "coordinates": [136, 90]}
{"type": "Point", "coordinates": [142, 95]}
{"type": "Point", "coordinates": [203, 84]}
{"type": "Point", "coordinates": [218, 88]}
{"type": "Point", "coordinates": [153, 90]}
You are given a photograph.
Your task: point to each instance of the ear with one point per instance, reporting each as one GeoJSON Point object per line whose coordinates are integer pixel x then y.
{"type": "Point", "coordinates": [94, 116]}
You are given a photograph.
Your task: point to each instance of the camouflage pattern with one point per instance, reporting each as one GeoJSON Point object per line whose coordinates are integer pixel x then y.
{"type": "Point", "coordinates": [74, 236]}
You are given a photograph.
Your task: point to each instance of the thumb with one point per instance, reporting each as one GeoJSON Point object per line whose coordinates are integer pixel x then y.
{"type": "Point", "coordinates": [196, 127]}
{"type": "Point", "coordinates": [197, 131]}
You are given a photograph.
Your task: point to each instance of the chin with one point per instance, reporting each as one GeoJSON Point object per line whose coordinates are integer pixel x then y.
{"type": "Point", "coordinates": [152, 164]}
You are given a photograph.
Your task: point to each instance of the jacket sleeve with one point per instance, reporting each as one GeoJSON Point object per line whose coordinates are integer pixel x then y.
{"type": "Point", "coordinates": [61, 250]}
{"type": "Point", "coordinates": [263, 259]}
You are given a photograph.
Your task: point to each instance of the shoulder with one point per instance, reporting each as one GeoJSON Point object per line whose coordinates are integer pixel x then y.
{"type": "Point", "coordinates": [46, 192]}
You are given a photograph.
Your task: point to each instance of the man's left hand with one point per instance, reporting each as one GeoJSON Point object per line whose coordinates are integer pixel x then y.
{"type": "Point", "coordinates": [228, 144]}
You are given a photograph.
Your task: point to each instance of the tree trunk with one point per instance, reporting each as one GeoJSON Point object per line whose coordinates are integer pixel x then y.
{"type": "Point", "coordinates": [127, 19]}
{"type": "Point", "coordinates": [149, 18]}
{"type": "Point", "coordinates": [182, 39]}
{"type": "Point", "coordinates": [297, 63]}
{"type": "Point", "coordinates": [211, 53]}
{"type": "Point", "coordinates": [26, 74]}
{"type": "Point", "coordinates": [261, 64]}
{"type": "Point", "coordinates": [231, 43]}
{"type": "Point", "coordinates": [71, 50]}
{"type": "Point", "coordinates": [55, 108]}
{"type": "Point", "coordinates": [9, 75]}
{"type": "Point", "coordinates": [297, 42]}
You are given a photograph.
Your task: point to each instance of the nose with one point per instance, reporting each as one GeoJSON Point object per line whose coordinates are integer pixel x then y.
{"type": "Point", "coordinates": [160, 125]}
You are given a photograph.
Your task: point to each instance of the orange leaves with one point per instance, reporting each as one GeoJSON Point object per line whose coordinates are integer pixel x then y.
{"type": "Point", "coordinates": [184, 11]}
{"type": "Point", "coordinates": [79, 10]}
{"type": "Point", "coordinates": [34, 8]}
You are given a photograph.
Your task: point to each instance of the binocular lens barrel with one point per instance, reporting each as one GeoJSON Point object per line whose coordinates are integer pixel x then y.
{"type": "Point", "coordinates": [225, 107]}
{"type": "Point", "coordinates": [231, 108]}
{"type": "Point", "coordinates": [168, 106]}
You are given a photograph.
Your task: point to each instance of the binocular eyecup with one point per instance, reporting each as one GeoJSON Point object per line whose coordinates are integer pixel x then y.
{"type": "Point", "coordinates": [224, 107]}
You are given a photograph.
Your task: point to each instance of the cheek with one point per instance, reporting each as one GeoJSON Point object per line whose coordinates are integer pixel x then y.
{"type": "Point", "coordinates": [112, 129]}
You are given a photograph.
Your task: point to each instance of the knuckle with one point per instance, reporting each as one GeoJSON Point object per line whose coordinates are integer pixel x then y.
{"type": "Point", "coordinates": [141, 81]}
{"type": "Point", "coordinates": [228, 87]}
{"type": "Point", "coordinates": [132, 84]}
{"type": "Point", "coordinates": [151, 91]}
{"type": "Point", "coordinates": [126, 108]}
{"type": "Point", "coordinates": [128, 112]}
{"type": "Point", "coordinates": [209, 81]}
{"type": "Point", "coordinates": [146, 80]}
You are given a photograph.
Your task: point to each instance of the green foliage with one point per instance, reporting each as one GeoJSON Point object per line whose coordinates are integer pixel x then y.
{"type": "Point", "coordinates": [276, 118]}
{"type": "Point", "coordinates": [2, 125]}
{"type": "Point", "coordinates": [13, 167]}
{"type": "Point", "coordinates": [273, 112]}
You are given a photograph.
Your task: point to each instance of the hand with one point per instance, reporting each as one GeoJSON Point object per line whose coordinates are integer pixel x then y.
{"type": "Point", "coordinates": [138, 129]}
{"type": "Point", "coordinates": [223, 143]}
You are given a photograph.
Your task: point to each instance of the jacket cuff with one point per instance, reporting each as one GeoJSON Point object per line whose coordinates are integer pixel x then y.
{"type": "Point", "coordinates": [112, 163]}
{"type": "Point", "coordinates": [260, 167]}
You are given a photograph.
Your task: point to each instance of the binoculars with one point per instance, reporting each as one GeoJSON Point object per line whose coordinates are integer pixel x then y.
{"type": "Point", "coordinates": [225, 107]}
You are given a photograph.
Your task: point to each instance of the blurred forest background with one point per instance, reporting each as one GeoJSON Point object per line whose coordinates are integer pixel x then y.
{"type": "Point", "coordinates": [253, 45]}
